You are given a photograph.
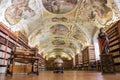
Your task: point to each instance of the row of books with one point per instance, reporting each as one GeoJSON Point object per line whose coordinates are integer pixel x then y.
{"type": "Point", "coordinates": [7, 41]}
{"type": "Point", "coordinates": [112, 29]}
{"type": "Point", "coordinates": [88, 55]}
{"type": "Point", "coordinates": [116, 53]}
{"type": "Point", "coordinates": [117, 68]}
{"type": "Point", "coordinates": [117, 60]}
{"type": "Point", "coordinates": [114, 42]}
{"type": "Point", "coordinates": [117, 46]}
{"type": "Point", "coordinates": [114, 38]}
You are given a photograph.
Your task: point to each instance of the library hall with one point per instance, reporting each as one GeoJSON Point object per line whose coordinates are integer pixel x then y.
{"type": "Point", "coordinates": [59, 39]}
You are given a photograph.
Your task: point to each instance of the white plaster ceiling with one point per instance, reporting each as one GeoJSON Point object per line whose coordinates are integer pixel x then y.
{"type": "Point", "coordinates": [75, 29]}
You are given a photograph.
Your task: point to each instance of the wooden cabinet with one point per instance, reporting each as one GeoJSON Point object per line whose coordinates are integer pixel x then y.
{"type": "Point", "coordinates": [114, 44]}
{"type": "Point", "coordinates": [88, 55]}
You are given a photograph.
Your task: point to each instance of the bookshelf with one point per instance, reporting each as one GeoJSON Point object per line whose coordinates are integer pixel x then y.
{"type": "Point", "coordinates": [89, 61]}
{"type": "Point", "coordinates": [78, 61]}
{"type": "Point", "coordinates": [8, 40]}
{"type": "Point", "coordinates": [114, 44]}
{"type": "Point", "coordinates": [23, 40]}
{"type": "Point", "coordinates": [41, 62]}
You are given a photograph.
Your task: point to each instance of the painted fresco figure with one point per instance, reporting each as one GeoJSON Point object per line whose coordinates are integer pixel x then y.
{"type": "Point", "coordinates": [59, 6]}
{"type": "Point", "coordinates": [104, 40]}
{"type": "Point", "coordinates": [18, 10]}
{"type": "Point", "coordinates": [49, 5]}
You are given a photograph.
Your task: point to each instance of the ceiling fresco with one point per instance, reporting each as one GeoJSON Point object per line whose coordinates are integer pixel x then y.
{"type": "Point", "coordinates": [18, 10]}
{"type": "Point", "coordinates": [99, 11]}
{"type": "Point", "coordinates": [58, 42]}
{"type": "Point", "coordinates": [59, 27]}
{"type": "Point", "coordinates": [59, 6]}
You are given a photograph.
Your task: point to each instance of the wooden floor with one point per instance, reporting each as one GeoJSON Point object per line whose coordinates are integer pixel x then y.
{"type": "Point", "coordinates": [67, 75]}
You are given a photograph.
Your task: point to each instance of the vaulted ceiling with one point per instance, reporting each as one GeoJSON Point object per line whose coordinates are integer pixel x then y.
{"type": "Point", "coordinates": [59, 27]}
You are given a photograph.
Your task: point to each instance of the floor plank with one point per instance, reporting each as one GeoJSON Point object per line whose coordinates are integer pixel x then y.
{"type": "Point", "coordinates": [67, 75]}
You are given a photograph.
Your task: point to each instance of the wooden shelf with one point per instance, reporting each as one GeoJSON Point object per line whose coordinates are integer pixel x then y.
{"type": "Point", "coordinates": [114, 37]}
{"type": "Point", "coordinates": [23, 42]}
{"type": "Point", "coordinates": [88, 55]}
{"type": "Point", "coordinates": [114, 43]}
{"type": "Point", "coordinates": [118, 43]}
{"type": "Point", "coordinates": [113, 32]}
{"type": "Point", "coordinates": [5, 51]}
{"type": "Point", "coordinates": [116, 63]}
{"type": "Point", "coordinates": [113, 27]}
{"type": "Point", "coordinates": [116, 56]}
{"type": "Point", "coordinates": [3, 65]}
{"type": "Point", "coordinates": [3, 58]}
{"type": "Point", "coordinates": [8, 40]}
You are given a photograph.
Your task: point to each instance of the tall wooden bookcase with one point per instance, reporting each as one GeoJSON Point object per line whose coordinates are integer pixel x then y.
{"type": "Point", "coordinates": [8, 40]}
{"type": "Point", "coordinates": [114, 44]}
{"type": "Point", "coordinates": [78, 61]}
{"type": "Point", "coordinates": [89, 61]}
{"type": "Point", "coordinates": [41, 62]}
